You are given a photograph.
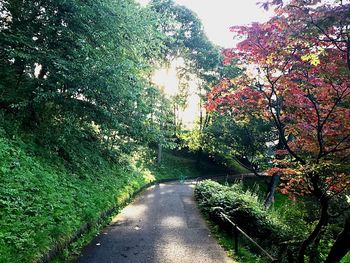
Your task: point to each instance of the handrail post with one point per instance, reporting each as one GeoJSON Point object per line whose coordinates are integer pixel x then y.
{"type": "Point", "coordinates": [235, 234]}
{"type": "Point", "coordinates": [236, 228]}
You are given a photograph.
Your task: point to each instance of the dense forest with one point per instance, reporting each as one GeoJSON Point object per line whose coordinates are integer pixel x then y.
{"type": "Point", "coordinates": [83, 125]}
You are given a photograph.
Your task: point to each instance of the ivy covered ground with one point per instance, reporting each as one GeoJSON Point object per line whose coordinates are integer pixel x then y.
{"type": "Point", "coordinates": [44, 201]}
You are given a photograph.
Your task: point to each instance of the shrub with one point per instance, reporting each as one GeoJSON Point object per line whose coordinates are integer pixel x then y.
{"type": "Point", "coordinates": [244, 209]}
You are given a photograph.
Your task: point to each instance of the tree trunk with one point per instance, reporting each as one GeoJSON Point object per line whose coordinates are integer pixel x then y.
{"type": "Point", "coordinates": [314, 254]}
{"type": "Point", "coordinates": [341, 246]}
{"type": "Point", "coordinates": [271, 188]}
{"type": "Point", "coordinates": [271, 191]}
{"type": "Point", "coordinates": [200, 150]}
{"type": "Point", "coordinates": [175, 121]}
{"type": "Point", "coordinates": [159, 159]}
{"type": "Point", "coordinates": [321, 222]}
{"type": "Point", "coordinates": [19, 66]}
{"type": "Point", "coordinates": [348, 53]}
{"type": "Point", "coordinates": [199, 157]}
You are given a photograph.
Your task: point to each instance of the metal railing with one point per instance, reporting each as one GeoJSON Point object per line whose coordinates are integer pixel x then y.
{"type": "Point", "coordinates": [237, 230]}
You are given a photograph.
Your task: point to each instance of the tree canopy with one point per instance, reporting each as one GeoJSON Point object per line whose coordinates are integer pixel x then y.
{"type": "Point", "coordinates": [70, 65]}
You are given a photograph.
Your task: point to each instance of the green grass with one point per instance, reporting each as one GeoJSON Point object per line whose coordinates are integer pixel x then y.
{"type": "Point", "coordinates": [43, 201]}
{"type": "Point", "coordinates": [43, 204]}
{"type": "Point", "coordinates": [174, 166]}
{"type": "Point", "coordinates": [237, 167]}
{"type": "Point", "coordinates": [346, 259]}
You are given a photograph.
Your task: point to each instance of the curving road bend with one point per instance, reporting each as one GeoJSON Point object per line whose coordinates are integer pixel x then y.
{"type": "Point", "coordinates": [162, 225]}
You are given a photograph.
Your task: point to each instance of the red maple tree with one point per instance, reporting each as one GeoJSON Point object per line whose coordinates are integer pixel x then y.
{"type": "Point", "coordinates": [298, 75]}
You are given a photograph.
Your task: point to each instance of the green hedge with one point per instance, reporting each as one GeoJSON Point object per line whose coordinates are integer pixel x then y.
{"type": "Point", "coordinates": [244, 208]}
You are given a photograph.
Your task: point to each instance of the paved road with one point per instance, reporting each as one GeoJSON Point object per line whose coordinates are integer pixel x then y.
{"type": "Point", "coordinates": [162, 225]}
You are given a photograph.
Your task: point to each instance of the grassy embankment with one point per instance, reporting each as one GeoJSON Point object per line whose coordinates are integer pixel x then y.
{"type": "Point", "coordinates": [45, 200]}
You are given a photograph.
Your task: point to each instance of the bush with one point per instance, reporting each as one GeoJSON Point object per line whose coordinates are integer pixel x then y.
{"type": "Point", "coordinates": [244, 209]}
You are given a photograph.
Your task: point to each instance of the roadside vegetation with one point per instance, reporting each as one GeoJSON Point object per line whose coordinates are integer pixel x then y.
{"type": "Point", "coordinates": [279, 230]}
{"type": "Point", "coordinates": [44, 203]}
{"type": "Point", "coordinates": [286, 115]}
{"type": "Point", "coordinates": [83, 126]}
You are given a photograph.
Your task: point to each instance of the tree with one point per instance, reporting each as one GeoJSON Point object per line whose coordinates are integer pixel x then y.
{"type": "Point", "coordinates": [69, 66]}
{"type": "Point", "coordinates": [235, 138]}
{"type": "Point", "coordinates": [243, 141]}
{"type": "Point", "coordinates": [160, 123]}
{"type": "Point", "coordinates": [299, 78]}
{"type": "Point", "coordinates": [186, 41]}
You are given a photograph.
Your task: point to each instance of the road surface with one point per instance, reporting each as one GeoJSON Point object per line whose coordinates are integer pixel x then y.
{"type": "Point", "coordinates": [162, 225]}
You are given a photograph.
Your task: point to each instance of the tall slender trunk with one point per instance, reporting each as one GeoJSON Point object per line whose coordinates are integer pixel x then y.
{"type": "Point", "coordinates": [348, 53]}
{"type": "Point", "coordinates": [200, 150]}
{"type": "Point", "coordinates": [160, 153]}
{"type": "Point", "coordinates": [199, 156]}
{"type": "Point", "coordinates": [271, 191]}
{"type": "Point", "coordinates": [20, 67]}
{"type": "Point", "coordinates": [321, 222]}
{"type": "Point", "coordinates": [175, 121]}
{"type": "Point", "coordinates": [342, 244]}
{"type": "Point", "coordinates": [314, 254]}
{"type": "Point", "coordinates": [271, 188]}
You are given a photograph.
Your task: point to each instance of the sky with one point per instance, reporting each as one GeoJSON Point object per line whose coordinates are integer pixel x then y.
{"type": "Point", "coordinates": [217, 17]}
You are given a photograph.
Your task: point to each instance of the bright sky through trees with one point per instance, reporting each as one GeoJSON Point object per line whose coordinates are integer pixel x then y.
{"type": "Point", "coordinates": [217, 16]}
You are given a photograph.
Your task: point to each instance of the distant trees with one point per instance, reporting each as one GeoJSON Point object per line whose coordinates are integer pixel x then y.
{"type": "Point", "coordinates": [186, 41]}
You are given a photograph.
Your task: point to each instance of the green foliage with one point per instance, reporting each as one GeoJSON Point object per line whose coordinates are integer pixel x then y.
{"type": "Point", "coordinates": [299, 212]}
{"type": "Point", "coordinates": [297, 215]}
{"type": "Point", "coordinates": [242, 206]}
{"type": "Point", "coordinates": [160, 126]}
{"type": "Point", "coordinates": [243, 140]}
{"type": "Point", "coordinates": [226, 240]}
{"type": "Point", "coordinates": [43, 202]}
{"type": "Point", "coordinates": [67, 67]}
{"type": "Point", "coordinates": [245, 209]}
{"type": "Point", "coordinates": [177, 166]}
{"type": "Point", "coordinates": [186, 37]}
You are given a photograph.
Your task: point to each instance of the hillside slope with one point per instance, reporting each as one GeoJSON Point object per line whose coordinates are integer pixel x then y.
{"type": "Point", "coordinates": [44, 199]}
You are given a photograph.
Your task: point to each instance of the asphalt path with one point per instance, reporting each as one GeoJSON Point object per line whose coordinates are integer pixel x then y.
{"type": "Point", "coordinates": [163, 225]}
